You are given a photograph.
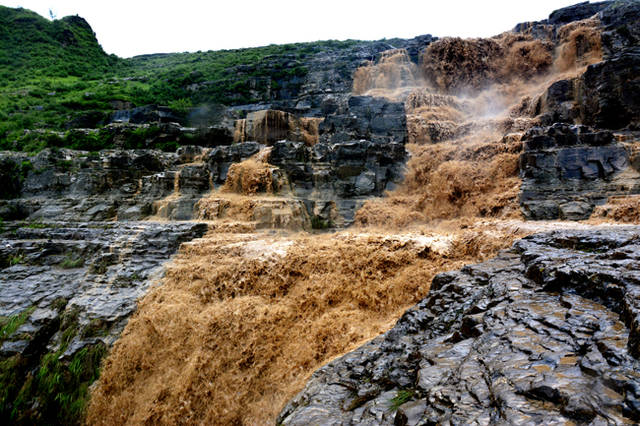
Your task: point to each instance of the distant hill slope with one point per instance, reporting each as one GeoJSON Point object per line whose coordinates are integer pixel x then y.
{"type": "Point", "coordinates": [35, 46]}
{"type": "Point", "coordinates": [54, 76]}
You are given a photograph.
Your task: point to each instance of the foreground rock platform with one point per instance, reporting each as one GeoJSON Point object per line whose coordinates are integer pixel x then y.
{"type": "Point", "coordinates": [548, 332]}
{"type": "Point", "coordinates": [97, 270]}
{"type": "Point", "coordinates": [67, 291]}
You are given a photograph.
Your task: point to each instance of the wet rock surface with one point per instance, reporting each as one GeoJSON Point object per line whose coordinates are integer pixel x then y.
{"type": "Point", "coordinates": [567, 170]}
{"type": "Point", "coordinates": [366, 117]}
{"type": "Point", "coordinates": [609, 91]}
{"type": "Point", "coordinates": [327, 86]}
{"type": "Point", "coordinates": [546, 333]}
{"type": "Point", "coordinates": [323, 87]}
{"type": "Point", "coordinates": [576, 12]}
{"type": "Point", "coordinates": [339, 177]}
{"type": "Point", "coordinates": [96, 269]}
{"type": "Point", "coordinates": [332, 179]}
{"type": "Point", "coordinates": [605, 94]}
{"type": "Point", "coordinates": [67, 290]}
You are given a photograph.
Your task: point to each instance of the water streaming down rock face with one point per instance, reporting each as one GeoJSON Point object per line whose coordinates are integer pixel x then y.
{"type": "Point", "coordinates": [469, 65]}
{"type": "Point", "coordinates": [74, 286]}
{"type": "Point", "coordinates": [491, 91]}
{"type": "Point", "coordinates": [567, 172]}
{"type": "Point", "coordinates": [394, 70]}
{"type": "Point", "coordinates": [350, 148]}
{"type": "Point", "coordinates": [331, 180]}
{"type": "Point", "coordinates": [535, 335]}
{"type": "Point", "coordinates": [442, 113]}
{"type": "Point", "coordinates": [269, 126]}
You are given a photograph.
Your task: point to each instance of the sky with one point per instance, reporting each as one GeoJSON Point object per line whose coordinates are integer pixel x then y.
{"type": "Point", "coordinates": [134, 27]}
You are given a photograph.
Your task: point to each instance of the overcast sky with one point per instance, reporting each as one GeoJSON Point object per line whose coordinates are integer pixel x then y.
{"type": "Point", "coordinates": [134, 27]}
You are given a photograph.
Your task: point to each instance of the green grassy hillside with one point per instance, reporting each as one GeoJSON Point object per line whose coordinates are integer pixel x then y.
{"type": "Point", "coordinates": [31, 47]}
{"type": "Point", "coordinates": [55, 76]}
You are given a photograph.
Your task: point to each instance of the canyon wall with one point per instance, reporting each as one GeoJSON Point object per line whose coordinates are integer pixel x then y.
{"type": "Point", "coordinates": [328, 169]}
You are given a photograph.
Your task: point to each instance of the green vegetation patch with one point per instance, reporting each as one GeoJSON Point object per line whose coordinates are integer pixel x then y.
{"type": "Point", "coordinates": [55, 76]}
{"type": "Point", "coordinates": [402, 396]}
{"type": "Point", "coordinates": [12, 175]}
{"type": "Point", "coordinates": [9, 325]}
{"type": "Point", "coordinates": [318, 222]}
{"type": "Point", "coordinates": [35, 225]}
{"type": "Point", "coordinates": [11, 260]}
{"type": "Point", "coordinates": [49, 388]}
{"type": "Point", "coordinates": [71, 262]}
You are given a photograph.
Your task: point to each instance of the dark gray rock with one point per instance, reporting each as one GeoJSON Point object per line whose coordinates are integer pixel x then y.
{"type": "Point", "coordinates": [546, 333]}
{"type": "Point", "coordinates": [547, 28]}
{"type": "Point", "coordinates": [321, 89]}
{"type": "Point", "coordinates": [609, 92]}
{"type": "Point", "coordinates": [342, 173]}
{"type": "Point", "coordinates": [414, 46]}
{"type": "Point", "coordinates": [145, 114]}
{"type": "Point", "coordinates": [89, 119]}
{"type": "Point", "coordinates": [366, 117]}
{"type": "Point", "coordinates": [605, 95]}
{"type": "Point", "coordinates": [577, 12]}
{"type": "Point", "coordinates": [567, 170]}
{"type": "Point", "coordinates": [115, 184]}
{"type": "Point", "coordinates": [621, 21]}
{"type": "Point", "coordinates": [81, 186]}
{"type": "Point", "coordinates": [75, 286]}
{"type": "Point", "coordinates": [331, 179]}
{"type": "Point", "coordinates": [220, 158]}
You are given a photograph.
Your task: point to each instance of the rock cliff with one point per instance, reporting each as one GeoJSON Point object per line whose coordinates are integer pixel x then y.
{"type": "Point", "coordinates": [568, 170]}
{"type": "Point", "coordinates": [565, 175]}
{"type": "Point", "coordinates": [330, 180]}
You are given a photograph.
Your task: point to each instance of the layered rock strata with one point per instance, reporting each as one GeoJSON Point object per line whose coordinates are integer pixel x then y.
{"type": "Point", "coordinates": [569, 170]}
{"type": "Point", "coordinates": [359, 154]}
